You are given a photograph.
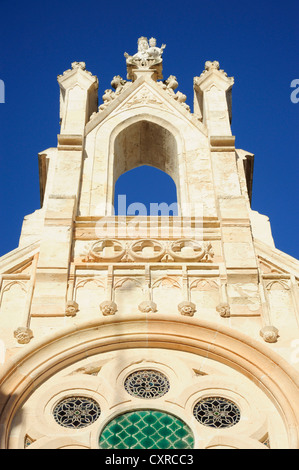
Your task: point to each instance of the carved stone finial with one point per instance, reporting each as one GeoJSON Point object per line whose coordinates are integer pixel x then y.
{"type": "Point", "coordinates": [187, 308]}
{"type": "Point", "coordinates": [223, 309]}
{"type": "Point", "coordinates": [79, 65]}
{"type": "Point", "coordinates": [269, 334]}
{"type": "Point", "coordinates": [209, 65]}
{"type": "Point", "coordinates": [108, 307]}
{"type": "Point", "coordinates": [71, 308]}
{"type": "Point", "coordinates": [23, 335]}
{"type": "Point", "coordinates": [147, 306]}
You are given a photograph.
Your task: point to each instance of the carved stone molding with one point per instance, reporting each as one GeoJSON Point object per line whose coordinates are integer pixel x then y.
{"type": "Point", "coordinates": [187, 308]}
{"type": "Point", "coordinates": [71, 308]}
{"type": "Point", "coordinates": [269, 334]}
{"type": "Point", "coordinates": [23, 335]}
{"type": "Point", "coordinates": [106, 250]}
{"type": "Point", "coordinates": [190, 250]}
{"type": "Point", "coordinates": [147, 306]}
{"type": "Point", "coordinates": [144, 96]}
{"type": "Point", "coordinates": [169, 86]}
{"type": "Point", "coordinates": [147, 250]}
{"type": "Point", "coordinates": [223, 309]}
{"type": "Point", "coordinates": [108, 307]}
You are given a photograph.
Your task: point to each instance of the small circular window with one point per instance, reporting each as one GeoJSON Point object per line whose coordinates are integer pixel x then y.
{"type": "Point", "coordinates": [76, 412]}
{"type": "Point", "coordinates": [217, 412]}
{"type": "Point", "coordinates": [147, 384]}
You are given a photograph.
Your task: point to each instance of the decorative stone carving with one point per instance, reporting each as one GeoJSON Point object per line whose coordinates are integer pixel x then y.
{"type": "Point", "coordinates": [171, 83]}
{"type": "Point", "coordinates": [75, 66]}
{"type": "Point", "coordinates": [147, 250]}
{"type": "Point", "coordinates": [144, 96]}
{"type": "Point", "coordinates": [147, 306]}
{"type": "Point", "coordinates": [148, 56]}
{"type": "Point", "coordinates": [169, 86]}
{"type": "Point", "coordinates": [269, 334]}
{"type": "Point", "coordinates": [223, 309]}
{"type": "Point", "coordinates": [108, 250]}
{"type": "Point", "coordinates": [210, 66]}
{"type": "Point", "coordinates": [71, 308]}
{"type": "Point", "coordinates": [23, 335]}
{"type": "Point", "coordinates": [119, 84]}
{"type": "Point", "coordinates": [79, 65]}
{"type": "Point", "coordinates": [108, 307]}
{"type": "Point", "coordinates": [190, 250]}
{"type": "Point", "coordinates": [148, 53]}
{"type": "Point", "coordinates": [187, 308]}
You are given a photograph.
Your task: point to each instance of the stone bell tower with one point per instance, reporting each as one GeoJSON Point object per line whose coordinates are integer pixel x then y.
{"type": "Point", "coordinates": [148, 332]}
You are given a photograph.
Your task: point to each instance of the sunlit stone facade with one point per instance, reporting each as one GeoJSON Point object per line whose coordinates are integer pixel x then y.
{"type": "Point", "coordinates": [147, 332]}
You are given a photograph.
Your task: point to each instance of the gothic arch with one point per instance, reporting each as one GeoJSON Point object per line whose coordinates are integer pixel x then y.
{"type": "Point", "coordinates": [41, 360]}
{"type": "Point", "coordinates": [138, 130]}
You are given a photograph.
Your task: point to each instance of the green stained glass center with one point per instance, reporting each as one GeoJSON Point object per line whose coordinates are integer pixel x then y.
{"type": "Point", "coordinates": [146, 429]}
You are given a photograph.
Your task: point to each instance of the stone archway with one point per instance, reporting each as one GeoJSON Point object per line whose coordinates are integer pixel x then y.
{"type": "Point", "coordinates": [41, 360]}
{"type": "Point", "coordinates": [146, 140]}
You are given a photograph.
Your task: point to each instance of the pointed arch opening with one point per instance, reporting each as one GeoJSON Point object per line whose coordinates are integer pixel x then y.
{"type": "Point", "coordinates": [152, 147]}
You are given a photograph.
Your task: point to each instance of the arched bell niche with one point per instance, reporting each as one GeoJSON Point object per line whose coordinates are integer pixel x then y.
{"type": "Point", "coordinates": [142, 142]}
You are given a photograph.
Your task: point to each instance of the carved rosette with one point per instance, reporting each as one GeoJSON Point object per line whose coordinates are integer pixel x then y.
{"type": "Point", "coordinates": [187, 308]}
{"type": "Point", "coordinates": [147, 307]}
{"type": "Point", "coordinates": [23, 335]}
{"type": "Point", "coordinates": [71, 308]}
{"type": "Point", "coordinates": [108, 307]}
{"type": "Point", "coordinates": [269, 334]}
{"type": "Point", "coordinates": [224, 310]}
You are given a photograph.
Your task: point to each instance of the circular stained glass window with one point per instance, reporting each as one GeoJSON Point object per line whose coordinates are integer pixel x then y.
{"type": "Point", "coordinates": [146, 429]}
{"type": "Point", "coordinates": [217, 412]}
{"type": "Point", "coordinates": [76, 412]}
{"type": "Point", "coordinates": [147, 384]}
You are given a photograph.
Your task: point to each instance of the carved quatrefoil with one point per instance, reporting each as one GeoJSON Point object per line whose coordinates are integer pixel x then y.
{"type": "Point", "coordinates": [187, 250]}
{"type": "Point", "coordinates": [107, 250]}
{"type": "Point", "coordinates": [147, 250]}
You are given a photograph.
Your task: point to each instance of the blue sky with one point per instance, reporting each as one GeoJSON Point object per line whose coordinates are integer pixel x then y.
{"type": "Point", "coordinates": [254, 41]}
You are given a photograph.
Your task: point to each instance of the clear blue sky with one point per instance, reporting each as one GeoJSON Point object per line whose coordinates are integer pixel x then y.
{"type": "Point", "coordinates": [255, 41]}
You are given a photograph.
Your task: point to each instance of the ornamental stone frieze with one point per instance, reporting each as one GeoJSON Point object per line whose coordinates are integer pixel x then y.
{"type": "Point", "coordinates": [148, 250]}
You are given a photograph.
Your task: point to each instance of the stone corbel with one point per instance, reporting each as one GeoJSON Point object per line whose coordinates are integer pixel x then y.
{"type": "Point", "coordinates": [109, 307]}
{"type": "Point", "coordinates": [71, 307]}
{"type": "Point", "coordinates": [268, 332]}
{"type": "Point", "coordinates": [147, 306]}
{"type": "Point", "coordinates": [24, 334]}
{"type": "Point", "coordinates": [223, 308]}
{"type": "Point", "coordinates": [186, 307]}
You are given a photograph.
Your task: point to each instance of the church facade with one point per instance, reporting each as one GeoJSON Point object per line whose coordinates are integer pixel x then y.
{"type": "Point", "coordinates": [148, 331]}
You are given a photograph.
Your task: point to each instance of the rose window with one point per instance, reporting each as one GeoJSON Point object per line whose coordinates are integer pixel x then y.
{"type": "Point", "coordinates": [147, 384]}
{"type": "Point", "coordinates": [76, 412]}
{"type": "Point", "coordinates": [216, 412]}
